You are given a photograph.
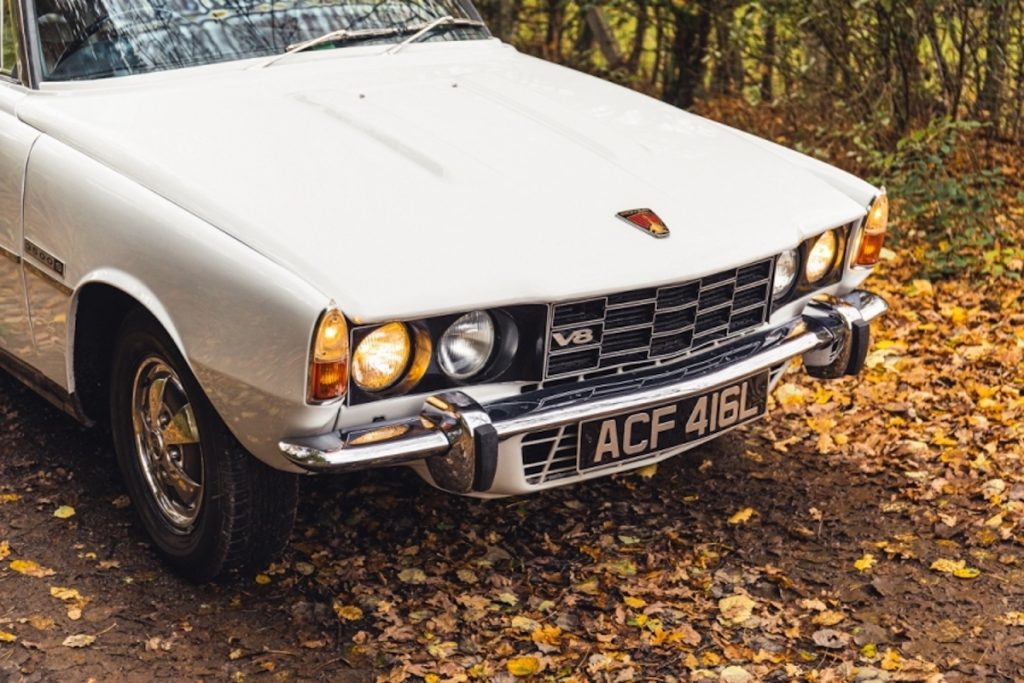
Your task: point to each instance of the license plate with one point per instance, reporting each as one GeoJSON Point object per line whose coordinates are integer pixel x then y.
{"type": "Point", "coordinates": [631, 436]}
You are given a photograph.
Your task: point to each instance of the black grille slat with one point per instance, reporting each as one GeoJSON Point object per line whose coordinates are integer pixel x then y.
{"type": "Point", "coordinates": [617, 318]}
{"type": "Point", "coordinates": [652, 325]}
{"type": "Point", "coordinates": [584, 311]}
{"type": "Point", "coordinates": [675, 320]}
{"type": "Point", "coordinates": [671, 297]}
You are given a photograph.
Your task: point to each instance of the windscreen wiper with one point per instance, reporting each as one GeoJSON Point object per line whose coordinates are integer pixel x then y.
{"type": "Point", "coordinates": [339, 36]}
{"type": "Point", "coordinates": [424, 30]}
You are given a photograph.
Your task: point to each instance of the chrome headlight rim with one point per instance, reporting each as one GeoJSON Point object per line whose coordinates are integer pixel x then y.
{"type": "Point", "coordinates": [485, 322]}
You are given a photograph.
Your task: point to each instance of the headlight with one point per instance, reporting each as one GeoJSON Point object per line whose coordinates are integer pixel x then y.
{"type": "Point", "coordinates": [822, 257]}
{"type": "Point", "coordinates": [467, 346]}
{"type": "Point", "coordinates": [872, 237]}
{"type": "Point", "coordinates": [329, 370]}
{"type": "Point", "coordinates": [382, 357]}
{"type": "Point", "coordinates": [786, 270]}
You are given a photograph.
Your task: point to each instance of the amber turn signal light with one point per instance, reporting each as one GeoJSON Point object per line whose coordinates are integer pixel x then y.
{"type": "Point", "coordinates": [328, 376]}
{"type": "Point", "coordinates": [872, 237]}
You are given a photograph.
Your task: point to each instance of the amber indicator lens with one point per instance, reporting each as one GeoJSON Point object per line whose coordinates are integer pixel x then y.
{"type": "Point", "coordinates": [872, 238]}
{"type": "Point", "coordinates": [329, 370]}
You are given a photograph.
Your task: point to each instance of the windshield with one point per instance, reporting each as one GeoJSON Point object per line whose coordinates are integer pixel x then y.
{"type": "Point", "coordinates": [84, 39]}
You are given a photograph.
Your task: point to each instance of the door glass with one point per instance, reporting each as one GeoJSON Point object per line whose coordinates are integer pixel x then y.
{"type": "Point", "coordinates": [8, 42]}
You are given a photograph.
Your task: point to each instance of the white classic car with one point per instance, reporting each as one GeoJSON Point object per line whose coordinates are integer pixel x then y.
{"type": "Point", "coordinates": [263, 239]}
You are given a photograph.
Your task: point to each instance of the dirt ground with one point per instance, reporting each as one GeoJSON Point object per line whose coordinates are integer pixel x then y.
{"type": "Point", "coordinates": [795, 549]}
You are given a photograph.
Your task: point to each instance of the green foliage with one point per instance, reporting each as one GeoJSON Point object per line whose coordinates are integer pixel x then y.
{"type": "Point", "coordinates": [949, 203]}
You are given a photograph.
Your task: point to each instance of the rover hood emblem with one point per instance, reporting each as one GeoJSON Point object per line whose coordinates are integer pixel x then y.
{"type": "Point", "coordinates": [646, 220]}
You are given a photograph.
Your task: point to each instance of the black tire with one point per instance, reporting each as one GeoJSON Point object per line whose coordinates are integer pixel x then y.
{"type": "Point", "coordinates": [242, 514]}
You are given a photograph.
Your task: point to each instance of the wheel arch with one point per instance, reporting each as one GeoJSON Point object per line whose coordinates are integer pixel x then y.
{"type": "Point", "coordinates": [98, 307]}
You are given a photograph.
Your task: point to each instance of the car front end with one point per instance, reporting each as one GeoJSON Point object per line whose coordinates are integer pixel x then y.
{"type": "Point", "coordinates": [515, 399]}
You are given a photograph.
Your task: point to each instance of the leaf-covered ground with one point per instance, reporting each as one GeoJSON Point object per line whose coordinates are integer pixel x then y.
{"type": "Point", "coordinates": [870, 529]}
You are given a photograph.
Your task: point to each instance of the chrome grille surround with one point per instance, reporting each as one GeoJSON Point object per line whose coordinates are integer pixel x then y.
{"type": "Point", "coordinates": [653, 325]}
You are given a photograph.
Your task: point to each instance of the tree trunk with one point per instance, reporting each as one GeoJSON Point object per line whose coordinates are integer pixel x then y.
{"type": "Point", "coordinates": [768, 55]}
{"type": "Point", "coordinates": [990, 97]}
{"type": "Point", "coordinates": [686, 73]}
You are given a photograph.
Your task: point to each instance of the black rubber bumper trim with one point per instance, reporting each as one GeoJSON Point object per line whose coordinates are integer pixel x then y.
{"type": "Point", "coordinates": [485, 443]}
{"type": "Point", "coordinates": [860, 340]}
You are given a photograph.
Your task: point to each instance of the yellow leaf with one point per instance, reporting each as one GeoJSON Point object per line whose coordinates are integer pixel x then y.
{"type": "Point", "coordinates": [648, 471]}
{"type": "Point", "coordinates": [432, 678]}
{"type": "Point", "coordinates": [967, 573]}
{"type": "Point", "coordinates": [957, 568]}
{"type": "Point", "coordinates": [828, 618]}
{"type": "Point", "coordinates": [67, 594]}
{"type": "Point", "coordinates": [9, 498]}
{"type": "Point", "coordinates": [64, 512]}
{"type": "Point", "coordinates": [547, 635]}
{"type": "Point", "coordinates": [347, 612]}
{"type": "Point", "coordinates": [262, 579]}
{"type": "Point", "coordinates": [922, 288]}
{"type": "Point", "coordinates": [5, 550]}
{"type": "Point", "coordinates": [523, 666]}
{"type": "Point", "coordinates": [735, 609]}
{"type": "Point", "coordinates": [891, 661]}
{"type": "Point", "coordinates": [870, 650]}
{"type": "Point", "coordinates": [635, 603]}
{"type": "Point", "coordinates": [865, 563]}
{"type": "Point", "coordinates": [30, 568]}
{"type": "Point", "coordinates": [741, 516]}
{"type": "Point", "coordinates": [6, 637]}
{"type": "Point", "coordinates": [1013, 618]}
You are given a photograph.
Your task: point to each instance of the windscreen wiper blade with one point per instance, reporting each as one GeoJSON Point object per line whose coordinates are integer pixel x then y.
{"type": "Point", "coordinates": [423, 30]}
{"type": "Point", "coordinates": [339, 36]}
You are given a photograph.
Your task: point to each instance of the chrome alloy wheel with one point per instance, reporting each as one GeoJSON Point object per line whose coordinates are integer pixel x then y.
{"type": "Point", "coordinates": [167, 443]}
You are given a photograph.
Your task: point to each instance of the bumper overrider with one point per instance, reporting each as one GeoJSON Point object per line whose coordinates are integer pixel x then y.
{"type": "Point", "coordinates": [458, 438]}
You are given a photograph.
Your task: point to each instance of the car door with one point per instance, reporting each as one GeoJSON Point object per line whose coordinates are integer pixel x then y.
{"type": "Point", "coordinates": [16, 141]}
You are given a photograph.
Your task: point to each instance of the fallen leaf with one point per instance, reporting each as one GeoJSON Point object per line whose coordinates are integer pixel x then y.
{"type": "Point", "coordinates": [30, 568]}
{"type": "Point", "coordinates": [412, 576]}
{"type": "Point", "coordinates": [9, 498]}
{"type": "Point", "coordinates": [524, 624]}
{"type": "Point", "coordinates": [891, 661]}
{"type": "Point", "coordinates": [741, 516]}
{"type": "Point", "coordinates": [67, 594]}
{"type": "Point", "coordinates": [79, 640]}
{"type": "Point", "coordinates": [523, 666]}
{"type": "Point", "coordinates": [1013, 619]}
{"type": "Point", "coordinates": [262, 579]}
{"type": "Point", "coordinates": [6, 637]}
{"type": "Point", "coordinates": [735, 609]}
{"type": "Point", "coordinates": [957, 568]}
{"type": "Point", "coordinates": [5, 550]}
{"type": "Point", "coordinates": [865, 563]}
{"type": "Point", "coordinates": [648, 471]}
{"type": "Point", "coordinates": [635, 603]}
{"type": "Point", "coordinates": [828, 618]}
{"type": "Point", "coordinates": [830, 639]}
{"type": "Point", "coordinates": [64, 512]}
{"type": "Point", "coordinates": [347, 612]}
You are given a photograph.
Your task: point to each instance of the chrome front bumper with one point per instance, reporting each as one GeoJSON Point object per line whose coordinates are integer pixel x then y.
{"type": "Point", "coordinates": [458, 438]}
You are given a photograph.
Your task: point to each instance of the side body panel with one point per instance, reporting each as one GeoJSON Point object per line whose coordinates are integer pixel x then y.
{"type": "Point", "coordinates": [16, 141]}
{"type": "Point", "coordinates": [243, 323]}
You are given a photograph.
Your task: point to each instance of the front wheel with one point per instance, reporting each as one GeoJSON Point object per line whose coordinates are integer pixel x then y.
{"type": "Point", "coordinates": [208, 506]}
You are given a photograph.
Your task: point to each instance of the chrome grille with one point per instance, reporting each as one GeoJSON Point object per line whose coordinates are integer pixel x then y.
{"type": "Point", "coordinates": [656, 324]}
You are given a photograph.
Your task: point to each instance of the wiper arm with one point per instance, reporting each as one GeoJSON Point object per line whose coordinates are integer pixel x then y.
{"type": "Point", "coordinates": [338, 36]}
{"type": "Point", "coordinates": [424, 30]}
